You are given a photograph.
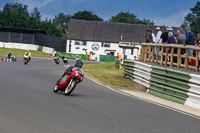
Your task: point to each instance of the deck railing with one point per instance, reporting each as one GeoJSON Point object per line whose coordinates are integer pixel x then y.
{"type": "Point", "coordinates": [149, 52]}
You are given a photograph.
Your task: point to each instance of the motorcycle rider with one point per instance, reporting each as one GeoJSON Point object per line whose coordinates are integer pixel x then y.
{"type": "Point", "coordinates": [27, 53]}
{"type": "Point", "coordinates": [78, 64]}
{"type": "Point", "coordinates": [64, 60]}
{"type": "Point", "coordinates": [9, 55]}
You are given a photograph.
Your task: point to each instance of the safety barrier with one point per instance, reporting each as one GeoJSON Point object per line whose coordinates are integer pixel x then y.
{"type": "Point", "coordinates": [117, 62]}
{"type": "Point", "coordinates": [194, 91]}
{"type": "Point", "coordinates": [21, 46]}
{"type": "Point", "coordinates": [169, 84]}
{"type": "Point", "coordinates": [173, 85]}
{"type": "Point", "coordinates": [47, 50]}
{"type": "Point", "coordinates": [138, 72]}
{"type": "Point", "coordinates": [26, 47]}
{"type": "Point", "coordinates": [107, 58]}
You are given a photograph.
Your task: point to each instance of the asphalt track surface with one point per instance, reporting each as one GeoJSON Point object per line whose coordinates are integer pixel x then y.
{"type": "Point", "coordinates": [28, 105]}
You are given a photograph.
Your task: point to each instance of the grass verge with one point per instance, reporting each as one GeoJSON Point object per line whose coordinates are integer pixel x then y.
{"type": "Point", "coordinates": [106, 74]}
{"type": "Point", "coordinates": [19, 52]}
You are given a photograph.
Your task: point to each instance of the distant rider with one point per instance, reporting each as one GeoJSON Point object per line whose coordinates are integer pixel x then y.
{"type": "Point", "coordinates": [9, 55]}
{"type": "Point", "coordinates": [28, 53]}
{"type": "Point", "coordinates": [78, 62]}
{"type": "Point", "coordinates": [64, 60]}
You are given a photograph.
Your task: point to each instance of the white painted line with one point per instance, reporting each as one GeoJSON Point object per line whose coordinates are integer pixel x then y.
{"type": "Point", "coordinates": [126, 94]}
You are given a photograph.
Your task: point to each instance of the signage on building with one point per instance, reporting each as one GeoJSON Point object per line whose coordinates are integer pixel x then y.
{"type": "Point", "coordinates": [95, 47]}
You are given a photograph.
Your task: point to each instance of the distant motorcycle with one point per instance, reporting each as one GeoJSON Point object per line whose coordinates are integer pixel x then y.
{"type": "Point", "coordinates": [11, 59]}
{"type": "Point", "coordinates": [26, 59]}
{"type": "Point", "coordinates": [67, 83]}
{"type": "Point", "coordinates": [56, 59]}
{"type": "Point", "coordinates": [65, 61]}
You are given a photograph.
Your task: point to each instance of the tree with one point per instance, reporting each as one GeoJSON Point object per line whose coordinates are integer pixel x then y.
{"type": "Point", "coordinates": [86, 15]}
{"type": "Point", "coordinates": [36, 14]}
{"type": "Point", "coordinates": [127, 17]}
{"type": "Point", "coordinates": [123, 17]}
{"type": "Point", "coordinates": [62, 21]}
{"type": "Point", "coordinates": [51, 28]}
{"type": "Point", "coordinates": [15, 15]}
{"type": "Point", "coordinates": [193, 19]}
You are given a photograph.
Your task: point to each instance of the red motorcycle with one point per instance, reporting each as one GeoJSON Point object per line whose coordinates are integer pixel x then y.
{"type": "Point", "coordinates": [26, 59]}
{"type": "Point", "coordinates": [56, 59]}
{"type": "Point", "coordinates": [67, 83]}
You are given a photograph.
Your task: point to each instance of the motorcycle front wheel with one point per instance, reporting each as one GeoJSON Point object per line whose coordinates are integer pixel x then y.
{"type": "Point", "coordinates": [70, 87]}
{"type": "Point", "coordinates": [55, 88]}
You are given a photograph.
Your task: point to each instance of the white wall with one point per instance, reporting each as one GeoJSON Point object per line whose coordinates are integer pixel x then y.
{"type": "Point", "coordinates": [47, 50]}
{"type": "Point", "coordinates": [136, 52]}
{"type": "Point", "coordinates": [19, 46]}
{"type": "Point", "coordinates": [25, 47]}
{"type": "Point", "coordinates": [101, 51]}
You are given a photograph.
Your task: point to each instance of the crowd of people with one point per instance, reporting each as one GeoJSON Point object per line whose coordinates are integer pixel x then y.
{"type": "Point", "coordinates": [170, 36]}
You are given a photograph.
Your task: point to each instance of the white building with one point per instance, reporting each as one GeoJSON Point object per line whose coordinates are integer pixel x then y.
{"type": "Point", "coordinates": [105, 38]}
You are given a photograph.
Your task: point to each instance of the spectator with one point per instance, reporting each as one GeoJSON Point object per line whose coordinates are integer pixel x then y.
{"type": "Point", "coordinates": [198, 44]}
{"type": "Point", "coordinates": [149, 38]}
{"type": "Point", "coordinates": [90, 56]}
{"type": "Point", "coordinates": [190, 40]}
{"type": "Point", "coordinates": [198, 41]}
{"type": "Point", "coordinates": [153, 37]}
{"type": "Point", "coordinates": [170, 29]}
{"type": "Point", "coordinates": [181, 40]}
{"type": "Point", "coordinates": [119, 57]}
{"type": "Point", "coordinates": [158, 39]}
{"type": "Point", "coordinates": [164, 36]}
{"type": "Point", "coordinates": [172, 40]}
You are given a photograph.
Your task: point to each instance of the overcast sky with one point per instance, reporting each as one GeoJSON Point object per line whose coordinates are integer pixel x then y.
{"type": "Point", "coordinates": [163, 12]}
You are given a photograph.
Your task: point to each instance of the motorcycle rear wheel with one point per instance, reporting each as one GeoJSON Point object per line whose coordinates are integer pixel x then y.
{"type": "Point", "coordinates": [57, 62]}
{"type": "Point", "coordinates": [71, 87]}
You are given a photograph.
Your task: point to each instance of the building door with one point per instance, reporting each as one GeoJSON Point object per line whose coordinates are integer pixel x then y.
{"type": "Point", "coordinates": [112, 53]}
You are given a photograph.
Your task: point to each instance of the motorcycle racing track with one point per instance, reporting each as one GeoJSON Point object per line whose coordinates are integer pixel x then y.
{"type": "Point", "coordinates": [28, 105]}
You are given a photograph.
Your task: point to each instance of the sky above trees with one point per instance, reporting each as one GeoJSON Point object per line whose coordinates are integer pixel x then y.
{"type": "Point", "coordinates": [163, 12]}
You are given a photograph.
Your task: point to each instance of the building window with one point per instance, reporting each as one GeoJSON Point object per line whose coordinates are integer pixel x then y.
{"type": "Point", "coordinates": [132, 51]}
{"type": "Point", "coordinates": [84, 43]}
{"type": "Point", "coordinates": [77, 42]}
{"type": "Point", "coordinates": [107, 45]}
{"type": "Point", "coordinates": [70, 46]}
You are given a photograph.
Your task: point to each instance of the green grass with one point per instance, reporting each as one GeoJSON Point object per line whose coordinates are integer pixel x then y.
{"type": "Point", "coordinates": [102, 66]}
{"type": "Point", "coordinates": [19, 52]}
{"type": "Point", "coordinates": [108, 75]}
